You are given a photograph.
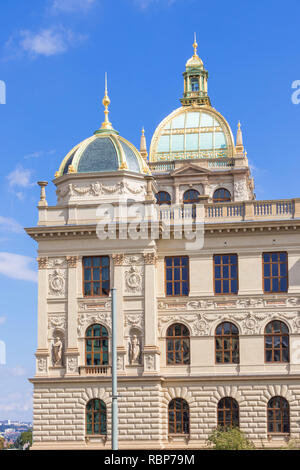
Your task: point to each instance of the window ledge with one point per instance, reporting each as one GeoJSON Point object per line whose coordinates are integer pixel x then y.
{"type": "Point", "coordinates": [179, 437]}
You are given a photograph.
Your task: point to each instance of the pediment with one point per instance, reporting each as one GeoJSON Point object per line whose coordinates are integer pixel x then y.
{"type": "Point", "coordinates": [190, 169]}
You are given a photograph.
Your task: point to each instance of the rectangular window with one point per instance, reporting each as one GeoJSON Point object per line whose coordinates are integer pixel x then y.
{"type": "Point", "coordinates": [96, 276]}
{"type": "Point", "coordinates": [226, 274]}
{"type": "Point", "coordinates": [177, 275]}
{"type": "Point", "coordinates": [275, 272]}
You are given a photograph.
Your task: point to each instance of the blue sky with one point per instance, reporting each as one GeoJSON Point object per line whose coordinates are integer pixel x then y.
{"type": "Point", "coordinates": [53, 56]}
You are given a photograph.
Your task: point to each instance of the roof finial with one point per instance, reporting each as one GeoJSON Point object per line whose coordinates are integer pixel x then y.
{"type": "Point", "coordinates": [143, 146]}
{"type": "Point", "coordinates": [195, 45]}
{"type": "Point", "coordinates": [106, 102]}
{"type": "Point", "coordinates": [239, 139]}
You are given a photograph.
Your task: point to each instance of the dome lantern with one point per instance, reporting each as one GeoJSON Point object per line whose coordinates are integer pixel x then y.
{"type": "Point", "coordinates": [195, 81]}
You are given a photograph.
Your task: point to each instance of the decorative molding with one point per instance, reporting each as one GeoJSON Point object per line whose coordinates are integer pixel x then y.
{"type": "Point", "coordinates": [57, 283]}
{"type": "Point", "coordinates": [85, 306]}
{"type": "Point", "coordinates": [240, 303]}
{"type": "Point", "coordinates": [56, 263]}
{"type": "Point", "coordinates": [57, 322]}
{"type": "Point", "coordinates": [136, 260]}
{"type": "Point", "coordinates": [86, 319]}
{"type": "Point", "coordinates": [134, 280]}
{"type": "Point", "coordinates": [72, 261]}
{"type": "Point", "coordinates": [149, 362]}
{"type": "Point", "coordinates": [100, 189]}
{"type": "Point", "coordinates": [150, 258]}
{"type": "Point", "coordinates": [249, 323]}
{"type": "Point", "coordinates": [135, 320]}
{"type": "Point", "coordinates": [42, 364]}
{"type": "Point", "coordinates": [43, 263]}
{"type": "Point", "coordinates": [118, 259]}
{"type": "Point", "coordinates": [72, 364]}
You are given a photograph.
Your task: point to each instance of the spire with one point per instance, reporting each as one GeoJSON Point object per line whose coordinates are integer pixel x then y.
{"type": "Point", "coordinates": [239, 140]}
{"type": "Point", "coordinates": [143, 147]}
{"type": "Point", "coordinates": [195, 45]}
{"type": "Point", "coordinates": [106, 102]}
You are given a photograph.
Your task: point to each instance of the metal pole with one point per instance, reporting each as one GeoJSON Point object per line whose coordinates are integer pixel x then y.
{"type": "Point", "coordinates": [114, 430]}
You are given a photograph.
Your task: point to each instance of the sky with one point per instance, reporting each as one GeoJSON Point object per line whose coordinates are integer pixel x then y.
{"type": "Point", "coordinates": [53, 58]}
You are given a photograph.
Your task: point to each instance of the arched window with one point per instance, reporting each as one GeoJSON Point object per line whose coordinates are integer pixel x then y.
{"type": "Point", "coordinates": [96, 346]}
{"type": "Point", "coordinates": [179, 417]}
{"type": "Point", "coordinates": [278, 416]}
{"type": "Point", "coordinates": [178, 345]}
{"type": "Point", "coordinates": [276, 342]}
{"type": "Point", "coordinates": [191, 196]}
{"type": "Point", "coordinates": [228, 413]}
{"type": "Point", "coordinates": [227, 344]}
{"type": "Point", "coordinates": [96, 417]}
{"type": "Point", "coordinates": [162, 197]}
{"type": "Point", "coordinates": [222, 195]}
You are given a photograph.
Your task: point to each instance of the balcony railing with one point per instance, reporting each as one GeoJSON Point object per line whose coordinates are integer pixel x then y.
{"type": "Point", "coordinates": [94, 370]}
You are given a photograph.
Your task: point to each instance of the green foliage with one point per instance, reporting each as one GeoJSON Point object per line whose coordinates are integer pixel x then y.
{"type": "Point", "coordinates": [1, 443]}
{"type": "Point", "coordinates": [292, 445]}
{"type": "Point", "coordinates": [230, 439]}
{"type": "Point", "coordinates": [24, 439]}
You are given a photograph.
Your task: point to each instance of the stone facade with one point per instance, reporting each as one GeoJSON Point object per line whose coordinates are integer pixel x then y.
{"type": "Point", "coordinates": [69, 231]}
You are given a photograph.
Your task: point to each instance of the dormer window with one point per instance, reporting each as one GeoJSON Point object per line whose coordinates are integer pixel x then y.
{"type": "Point", "coordinates": [194, 83]}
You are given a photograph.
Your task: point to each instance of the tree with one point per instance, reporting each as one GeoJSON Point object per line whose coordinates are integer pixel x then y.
{"type": "Point", "coordinates": [24, 441]}
{"type": "Point", "coordinates": [1, 443]}
{"type": "Point", "coordinates": [230, 439]}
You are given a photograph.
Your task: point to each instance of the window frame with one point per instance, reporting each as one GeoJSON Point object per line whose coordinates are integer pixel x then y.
{"type": "Point", "coordinates": [280, 348]}
{"type": "Point", "coordinates": [167, 202]}
{"type": "Point", "coordinates": [274, 420]}
{"type": "Point", "coordinates": [225, 409]}
{"type": "Point", "coordinates": [275, 277]}
{"type": "Point", "coordinates": [223, 350]}
{"type": "Point", "coordinates": [100, 338]}
{"type": "Point", "coordinates": [230, 279]}
{"type": "Point", "coordinates": [222, 201]}
{"type": "Point", "coordinates": [100, 276]}
{"type": "Point", "coordinates": [173, 350]}
{"type": "Point", "coordinates": [181, 281]}
{"type": "Point", "coordinates": [182, 411]}
{"type": "Point", "coordinates": [191, 201]}
{"type": "Point", "coordinates": [93, 411]}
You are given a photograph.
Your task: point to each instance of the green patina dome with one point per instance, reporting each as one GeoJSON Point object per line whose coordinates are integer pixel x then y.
{"type": "Point", "coordinates": [105, 151]}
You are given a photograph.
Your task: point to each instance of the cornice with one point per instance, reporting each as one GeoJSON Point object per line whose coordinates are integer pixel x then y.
{"type": "Point", "coordinates": [89, 230]}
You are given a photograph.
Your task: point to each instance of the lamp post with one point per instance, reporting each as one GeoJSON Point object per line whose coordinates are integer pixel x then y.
{"type": "Point", "coordinates": [114, 431]}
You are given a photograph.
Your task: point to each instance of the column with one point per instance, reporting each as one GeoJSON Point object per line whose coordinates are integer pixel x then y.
{"type": "Point", "coordinates": [151, 352]}
{"type": "Point", "coordinates": [42, 353]}
{"type": "Point", "coordinates": [118, 274]}
{"type": "Point", "coordinates": [72, 351]}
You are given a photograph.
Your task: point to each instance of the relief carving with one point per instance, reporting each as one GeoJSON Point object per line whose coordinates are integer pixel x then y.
{"type": "Point", "coordinates": [57, 283]}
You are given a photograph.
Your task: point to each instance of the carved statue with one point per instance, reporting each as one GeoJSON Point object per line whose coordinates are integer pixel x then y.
{"type": "Point", "coordinates": [134, 350]}
{"type": "Point", "coordinates": [57, 352]}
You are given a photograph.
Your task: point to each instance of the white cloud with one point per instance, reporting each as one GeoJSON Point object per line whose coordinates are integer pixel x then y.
{"type": "Point", "coordinates": [17, 267]}
{"type": "Point", "coordinates": [143, 4]}
{"type": "Point", "coordinates": [47, 42]}
{"type": "Point", "coordinates": [70, 6]}
{"type": "Point", "coordinates": [39, 154]}
{"type": "Point", "coordinates": [10, 225]}
{"type": "Point", "coordinates": [16, 403]}
{"type": "Point", "coordinates": [20, 177]}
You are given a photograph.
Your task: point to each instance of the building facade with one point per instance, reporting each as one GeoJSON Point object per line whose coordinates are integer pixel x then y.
{"type": "Point", "coordinates": [208, 327]}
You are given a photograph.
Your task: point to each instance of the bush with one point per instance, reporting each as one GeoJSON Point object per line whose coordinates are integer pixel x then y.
{"type": "Point", "coordinates": [230, 439]}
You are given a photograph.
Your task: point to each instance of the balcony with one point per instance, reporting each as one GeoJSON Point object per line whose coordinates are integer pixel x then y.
{"type": "Point", "coordinates": [94, 370]}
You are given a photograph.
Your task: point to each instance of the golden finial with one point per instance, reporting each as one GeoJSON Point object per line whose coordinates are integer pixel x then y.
{"type": "Point", "coordinates": [106, 102]}
{"type": "Point", "coordinates": [195, 46]}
